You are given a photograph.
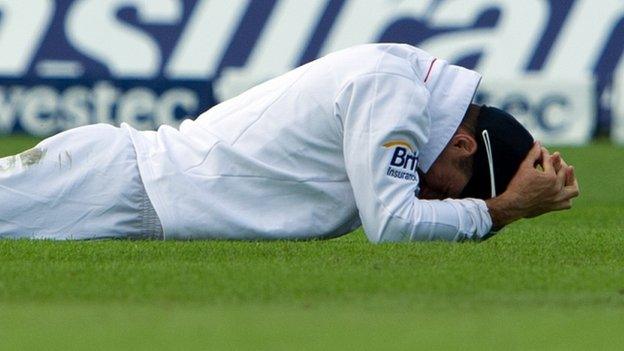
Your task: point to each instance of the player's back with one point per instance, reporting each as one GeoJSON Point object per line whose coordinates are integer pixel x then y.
{"type": "Point", "coordinates": [291, 122]}
{"type": "Point", "coordinates": [268, 163]}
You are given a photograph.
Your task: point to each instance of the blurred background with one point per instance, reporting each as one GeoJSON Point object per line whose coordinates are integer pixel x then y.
{"type": "Point", "coordinates": [556, 64]}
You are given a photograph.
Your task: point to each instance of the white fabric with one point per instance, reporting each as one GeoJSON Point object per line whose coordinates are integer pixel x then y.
{"type": "Point", "coordinates": [310, 154]}
{"type": "Point", "coordinates": [451, 90]}
{"type": "Point", "coordinates": [80, 184]}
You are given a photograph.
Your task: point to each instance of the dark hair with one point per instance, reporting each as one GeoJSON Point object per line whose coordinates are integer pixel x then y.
{"type": "Point", "coordinates": [510, 142]}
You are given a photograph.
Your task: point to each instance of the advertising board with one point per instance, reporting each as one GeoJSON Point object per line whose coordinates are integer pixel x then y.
{"type": "Point", "coordinates": [68, 63]}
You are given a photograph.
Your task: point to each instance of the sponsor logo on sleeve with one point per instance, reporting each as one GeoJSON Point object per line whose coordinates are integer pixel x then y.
{"type": "Point", "coordinates": [403, 160]}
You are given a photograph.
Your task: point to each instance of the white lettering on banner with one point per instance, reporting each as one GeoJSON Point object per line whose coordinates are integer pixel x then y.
{"type": "Point", "coordinates": [362, 21]}
{"type": "Point", "coordinates": [142, 109]}
{"type": "Point", "coordinates": [134, 106]}
{"type": "Point", "coordinates": [43, 110]}
{"type": "Point", "coordinates": [617, 103]}
{"type": "Point", "coordinates": [39, 106]}
{"type": "Point", "coordinates": [278, 49]}
{"type": "Point", "coordinates": [205, 39]}
{"type": "Point", "coordinates": [555, 110]}
{"type": "Point", "coordinates": [581, 34]}
{"type": "Point", "coordinates": [23, 25]}
{"type": "Point", "coordinates": [104, 98]}
{"type": "Point", "coordinates": [520, 23]}
{"type": "Point", "coordinates": [172, 100]}
{"type": "Point", "coordinates": [584, 37]}
{"type": "Point", "coordinates": [92, 27]}
{"type": "Point", "coordinates": [75, 107]}
{"type": "Point", "coordinates": [9, 100]}
{"type": "Point", "coordinates": [617, 130]}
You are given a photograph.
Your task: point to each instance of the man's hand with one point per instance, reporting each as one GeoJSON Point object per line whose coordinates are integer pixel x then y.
{"type": "Point", "coordinates": [532, 191]}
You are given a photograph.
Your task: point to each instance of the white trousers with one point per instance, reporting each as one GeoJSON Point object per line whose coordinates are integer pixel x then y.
{"type": "Point", "coordinates": [80, 184]}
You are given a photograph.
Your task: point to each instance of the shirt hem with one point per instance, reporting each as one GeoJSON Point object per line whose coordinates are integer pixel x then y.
{"type": "Point", "coordinates": [147, 177]}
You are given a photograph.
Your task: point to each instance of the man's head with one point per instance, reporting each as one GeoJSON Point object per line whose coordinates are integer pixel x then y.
{"type": "Point", "coordinates": [488, 141]}
{"type": "Point", "coordinates": [452, 170]}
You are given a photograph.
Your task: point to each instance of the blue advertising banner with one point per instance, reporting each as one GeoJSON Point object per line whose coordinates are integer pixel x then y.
{"type": "Point", "coordinates": [147, 62]}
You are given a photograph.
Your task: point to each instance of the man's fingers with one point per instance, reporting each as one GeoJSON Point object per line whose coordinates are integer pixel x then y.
{"type": "Point", "coordinates": [557, 161]}
{"type": "Point", "coordinates": [547, 162]}
{"type": "Point", "coordinates": [562, 176]}
{"type": "Point", "coordinates": [533, 156]}
{"type": "Point", "coordinates": [552, 189]}
{"type": "Point", "coordinates": [570, 179]}
{"type": "Point", "coordinates": [563, 205]}
{"type": "Point", "coordinates": [563, 167]}
{"type": "Point", "coordinates": [570, 192]}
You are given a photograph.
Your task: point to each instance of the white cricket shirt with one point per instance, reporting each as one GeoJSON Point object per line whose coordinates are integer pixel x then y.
{"type": "Point", "coordinates": [317, 152]}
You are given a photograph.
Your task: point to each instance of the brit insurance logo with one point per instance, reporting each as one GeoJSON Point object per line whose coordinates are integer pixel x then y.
{"type": "Point", "coordinates": [404, 160]}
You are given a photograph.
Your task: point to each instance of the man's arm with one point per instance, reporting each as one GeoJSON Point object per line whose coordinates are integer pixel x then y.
{"type": "Point", "coordinates": [385, 123]}
{"type": "Point", "coordinates": [533, 192]}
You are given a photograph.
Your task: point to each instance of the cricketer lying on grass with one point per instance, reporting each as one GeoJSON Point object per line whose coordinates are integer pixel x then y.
{"type": "Point", "coordinates": [381, 135]}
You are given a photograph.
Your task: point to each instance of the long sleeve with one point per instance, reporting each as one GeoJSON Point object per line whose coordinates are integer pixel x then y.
{"type": "Point", "coordinates": [386, 122]}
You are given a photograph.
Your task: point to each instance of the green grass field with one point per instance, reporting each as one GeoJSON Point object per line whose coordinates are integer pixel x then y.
{"type": "Point", "coordinates": [552, 283]}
